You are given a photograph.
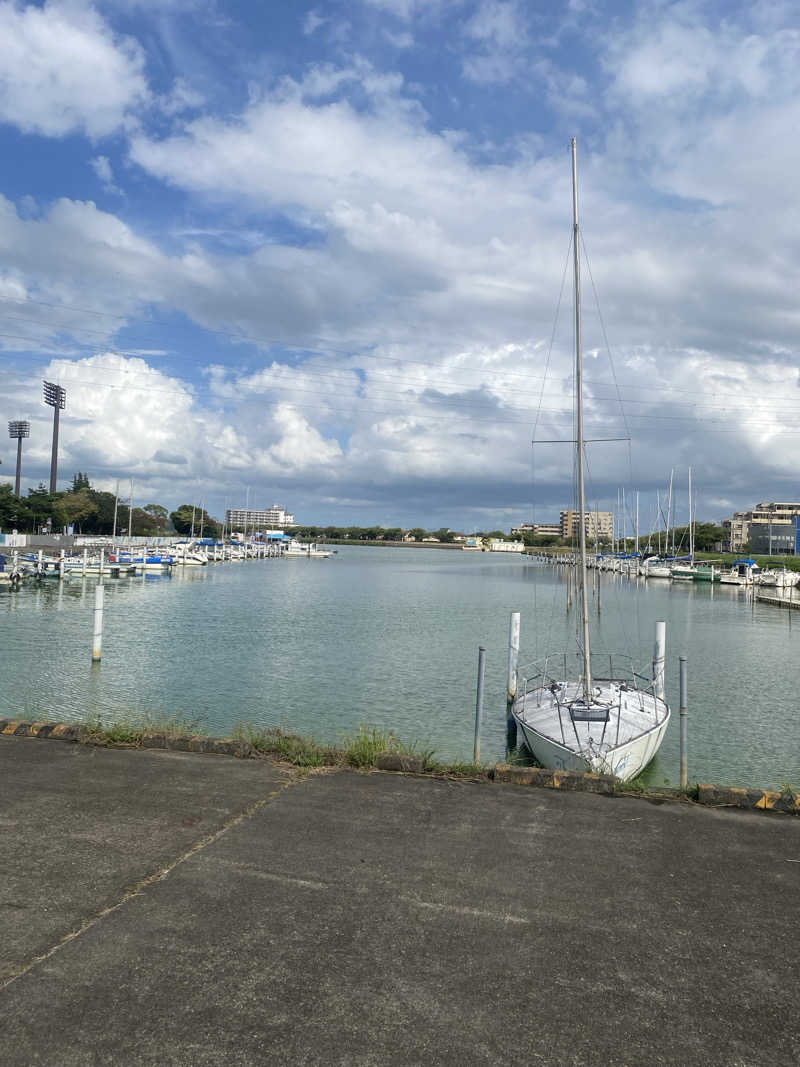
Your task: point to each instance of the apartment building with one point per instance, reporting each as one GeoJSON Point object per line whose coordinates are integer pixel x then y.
{"type": "Point", "coordinates": [764, 525]}
{"type": "Point", "coordinates": [599, 525]}
{"type": "Point", "coordinates": [274, 518]}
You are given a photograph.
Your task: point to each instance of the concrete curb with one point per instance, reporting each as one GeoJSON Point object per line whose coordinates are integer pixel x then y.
{"type": "Point", "coordinates": [569, 781]}
{"type": "Point", "coordinates": [394, 761]}
{"type": "Point", "coordinates": [724, 796]}
{"type": "Point", "coordinates": [66, 731]}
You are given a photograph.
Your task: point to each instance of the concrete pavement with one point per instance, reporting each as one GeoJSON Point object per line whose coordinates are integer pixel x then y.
{"type": "Point", "coordinates": [162, 907]}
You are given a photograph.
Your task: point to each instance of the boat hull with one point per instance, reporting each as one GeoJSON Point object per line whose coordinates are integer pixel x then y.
{"type": "Point", "coordinates": [625, 762]}
{"type": "Point", "coordinates": [619, 733]}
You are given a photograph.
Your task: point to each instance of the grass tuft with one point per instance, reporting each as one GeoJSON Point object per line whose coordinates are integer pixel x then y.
{"type": "Point", "coordinates": [363, 748]}
{"type": "Point", "coordinates": [291, 748]}
{"type": "Point", "coordinates": [132, 729]}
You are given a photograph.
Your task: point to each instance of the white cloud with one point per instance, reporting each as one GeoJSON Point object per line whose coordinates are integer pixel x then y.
{"type": "Point", "coordinates": [500, 29]}
{"type": "Point", "coordinates": [101, 165]}
{"type": "Point", "coordinates": [63, 70]}
{"type": "Point", "coordinates": [313, 21]}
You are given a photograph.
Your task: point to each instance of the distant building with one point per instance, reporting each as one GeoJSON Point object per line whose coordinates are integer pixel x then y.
{"type": "Point", "coordinates": [764, 524]}
{"type": "Point", "coordinates": [599, 525]}
{"type": "Point", "coordinates": [496, 545]}
{"type": "Point", "coordinates": [536, 528]}
{"type": "Point", "coordinates": [253, 519]}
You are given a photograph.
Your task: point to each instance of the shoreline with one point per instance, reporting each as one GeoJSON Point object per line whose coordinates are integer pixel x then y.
{"type": "Point", "coordinates": [385, 753]}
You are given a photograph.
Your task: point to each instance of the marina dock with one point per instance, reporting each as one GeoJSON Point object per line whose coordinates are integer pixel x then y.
{"type": "Point", "coordinates": [778, 601]}
{"type": "Point", "coordinates": [166, 907]}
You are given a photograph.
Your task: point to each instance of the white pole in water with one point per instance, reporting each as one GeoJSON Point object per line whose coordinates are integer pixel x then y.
{"type": "Point", "coordinates": [85, 553]}
{"type": "Point", "coordinates": [97, 641]}
{"type": "Point", "coordinates": [684, 713]}
{"type": "Point", "coordinates": [659, 654]}
{"type": "Point", "coordinates": [61, 565]}
{"type": "Point", "coordinates": [637, 524]}
{"type": "Point", "coordinates": [476, 751]}
{"type": "Point", "coordinates": [102, 553]}
{"type": "Point", "coordinates": [513, 655]}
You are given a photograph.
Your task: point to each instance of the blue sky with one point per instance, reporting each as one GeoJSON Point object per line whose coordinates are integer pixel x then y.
{"type": "Point", "coordinates": [316, 251]}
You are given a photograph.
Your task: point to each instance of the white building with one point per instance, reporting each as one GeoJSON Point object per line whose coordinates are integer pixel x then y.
{"type": "Point", "coordinates": [537, 529]}
{"type": "Point", "coordinates": [275, 517]}
{"type": "Point", "coordinates": [496, 545]}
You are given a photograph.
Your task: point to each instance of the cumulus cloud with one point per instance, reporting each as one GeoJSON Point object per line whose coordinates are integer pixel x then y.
{"type": "Point", "coordinates": [63, 70]}
{"type": "Point", "coordinates": [394, 281]}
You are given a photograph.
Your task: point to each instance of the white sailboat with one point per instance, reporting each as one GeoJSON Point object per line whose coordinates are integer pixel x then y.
{"type": "Point", "coordinates": [595, 717]}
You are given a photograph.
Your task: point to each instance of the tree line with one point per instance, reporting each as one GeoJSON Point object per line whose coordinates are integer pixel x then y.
{"type": "Point", "coordinates": [91, 511]}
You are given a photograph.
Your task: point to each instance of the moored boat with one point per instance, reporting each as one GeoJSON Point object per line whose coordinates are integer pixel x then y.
{"type": "Point", "coordinates": [573, 712]}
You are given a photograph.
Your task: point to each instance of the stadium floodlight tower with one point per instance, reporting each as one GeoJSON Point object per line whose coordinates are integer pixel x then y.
{"type": "Point", "coordinates": [18, 429]}
{"type": "Point", "coordinates": [56, 397]}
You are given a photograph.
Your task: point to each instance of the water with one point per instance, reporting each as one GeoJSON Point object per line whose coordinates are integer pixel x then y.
{"type": "Point", "coordinates": [390, 637]}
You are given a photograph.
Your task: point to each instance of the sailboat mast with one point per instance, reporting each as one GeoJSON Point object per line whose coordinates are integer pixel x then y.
{"type": "Point", "coordinates": [587, 656]}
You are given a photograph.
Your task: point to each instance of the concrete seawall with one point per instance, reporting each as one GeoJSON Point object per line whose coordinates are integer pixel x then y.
{"type": "Point", "coordinates": [170, 907]}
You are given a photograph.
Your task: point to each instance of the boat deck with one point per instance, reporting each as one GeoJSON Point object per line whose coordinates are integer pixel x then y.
{"type": "Point", "coordinates": [559, 713]}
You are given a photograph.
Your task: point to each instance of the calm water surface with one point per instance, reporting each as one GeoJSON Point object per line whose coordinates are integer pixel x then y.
{"type": "Point", "coordinates": [390, 637]}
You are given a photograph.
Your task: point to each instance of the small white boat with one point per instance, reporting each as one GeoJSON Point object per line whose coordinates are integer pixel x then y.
{"type": "Point", "coordinates": [782, 579]}
{"type": "Point", "coordinates": [742, 572]}
{"type": "Point", "coordinates": [617, 732]}
{"type": "Point", "coordinates": [297, 550]}
{"type": "Point", "coordinates": [655, 568]}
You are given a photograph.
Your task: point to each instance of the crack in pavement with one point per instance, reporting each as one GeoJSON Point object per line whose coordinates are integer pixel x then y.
{"type": "Point", "coordinates": [151, 879]}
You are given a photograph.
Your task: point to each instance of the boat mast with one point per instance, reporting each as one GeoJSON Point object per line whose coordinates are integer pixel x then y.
{"type": "Point", "coordinates": [691, 524]}
{"type": "Point", "coordinates": [587, 656]}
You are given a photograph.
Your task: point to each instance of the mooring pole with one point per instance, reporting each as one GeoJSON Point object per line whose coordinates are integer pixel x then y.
{"type": "Point", "coordinates": [659, 653]}
{"type": "Point", "coordinates": [476, 752]}
{"type": "Point", "coordinates": [97, 641]}
{"type": "Point", "coordinates": [513, 655]}
{"type": "Point", "coordinates": [684, 712]}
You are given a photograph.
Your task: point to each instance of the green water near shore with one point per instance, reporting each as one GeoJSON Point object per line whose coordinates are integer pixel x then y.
{"type": "Point", "coordinates": [391, 638]}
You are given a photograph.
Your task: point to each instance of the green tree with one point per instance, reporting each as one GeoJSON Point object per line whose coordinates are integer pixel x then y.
{"type": "Point", "coordinates": [74, 509]}
{"type": "Point", "coordinates": [80, 481]}
{"type": "Point", "coordinates": [182, 521]}
{"type": "Point", "coordinates": [15, 513]}
{"type": "Point", "coordinates": [418, 533]}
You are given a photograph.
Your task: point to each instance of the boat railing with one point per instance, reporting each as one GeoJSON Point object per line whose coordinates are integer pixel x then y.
{"type": "Point", "coordinates": [606, 667]}
{"type": "Point", "coordinates": [537, 678]}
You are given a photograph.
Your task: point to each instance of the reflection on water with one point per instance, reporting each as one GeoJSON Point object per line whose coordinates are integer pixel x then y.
{"type": "Point", "coordinates": [390, 636]}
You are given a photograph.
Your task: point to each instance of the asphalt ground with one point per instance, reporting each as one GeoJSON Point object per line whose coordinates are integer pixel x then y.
{"type": "Point", "coordinates": [171, 908]}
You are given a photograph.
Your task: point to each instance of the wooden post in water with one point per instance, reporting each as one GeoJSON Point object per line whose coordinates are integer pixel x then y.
{"type": "Point", "coordinates": [97, 640]}
{"type": "Point", "coordinates": [684, 713]}
{"type": "Point", "coordinates": [476, 751]}
{"type": "Point", "coordinates": [659, 654]}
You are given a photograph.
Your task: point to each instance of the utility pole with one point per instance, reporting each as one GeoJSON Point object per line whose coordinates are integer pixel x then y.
{"type": "Point", "coordinates": [56, 398]}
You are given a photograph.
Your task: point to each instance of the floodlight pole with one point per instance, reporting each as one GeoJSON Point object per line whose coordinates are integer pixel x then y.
{"type": "Point", "coordinates": [18, 478]}
{"type": "Point", "coordinates": [56, 398]}
{"type": "Point", "coordinates": [18, 429]}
